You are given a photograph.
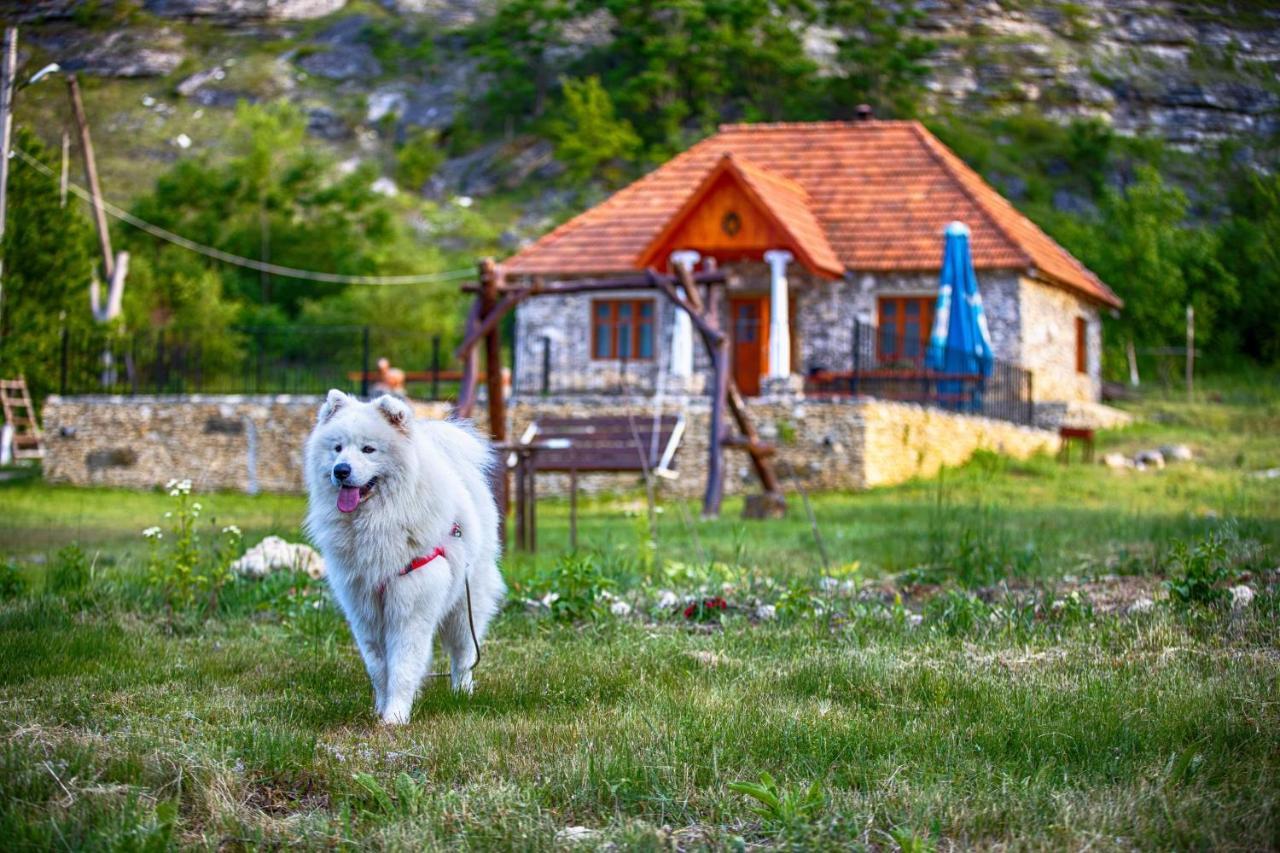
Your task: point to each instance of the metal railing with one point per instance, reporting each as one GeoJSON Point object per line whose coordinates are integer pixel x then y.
{"type": "Point", "coordinates": [882, 364]}
{"type": "Point", "coordinates": [890, 366]}
{"type": "Point", "coordinates": [248, 360]}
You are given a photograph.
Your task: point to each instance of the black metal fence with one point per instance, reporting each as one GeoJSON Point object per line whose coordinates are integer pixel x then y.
{"type": "Point", "coordinates": [888, 365]}
{"type": "Point", "coordinates": [250, 360]}
{"type": "Point", "coordinates": [882, 363]}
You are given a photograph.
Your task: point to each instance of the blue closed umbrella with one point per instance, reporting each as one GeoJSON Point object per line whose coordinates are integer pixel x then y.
{"type": "Point", "coordinates": [960, 342]}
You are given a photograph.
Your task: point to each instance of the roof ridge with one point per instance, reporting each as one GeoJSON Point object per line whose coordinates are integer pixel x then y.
{"type": "Point", "coordinates": [1061, 250]}
{"type": "Point", "coordinates": [816, 125]}
{"type": "Point", "coordinates": [926, 139]}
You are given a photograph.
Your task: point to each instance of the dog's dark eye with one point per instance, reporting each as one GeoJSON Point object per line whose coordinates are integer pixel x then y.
{"type": "Point", "coordinates": [366, 449]}
{"type": "Point", "coordinates": [337, 448]}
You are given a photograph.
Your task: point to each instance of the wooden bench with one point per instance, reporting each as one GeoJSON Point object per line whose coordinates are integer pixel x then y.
{"type": "Point", "coordinates": [641, 444]}
{"type": "Point", "coordinates": [1083, 435]}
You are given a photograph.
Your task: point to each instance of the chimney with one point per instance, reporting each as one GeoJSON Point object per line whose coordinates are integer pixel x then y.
{"type": "Point", "coordinates": [864, 112]}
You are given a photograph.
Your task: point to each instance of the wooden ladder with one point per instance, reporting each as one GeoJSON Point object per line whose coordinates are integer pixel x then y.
{"type": "Point", "coordinates": [15, 400]}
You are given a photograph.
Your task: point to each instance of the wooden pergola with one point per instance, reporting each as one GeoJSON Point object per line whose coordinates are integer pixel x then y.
{"type": "Point", "coordinates": [495, 298]}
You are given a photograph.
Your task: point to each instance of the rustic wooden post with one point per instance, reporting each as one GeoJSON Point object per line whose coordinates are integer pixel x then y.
{"type": "Point", "coordinates": [490, 285]}
{"type": "Point", "coordinates": [719, 397]}
{"type": "Point", "coordinates": [470, 358]}
{"type": "Point", "coordinates": [573, 509]}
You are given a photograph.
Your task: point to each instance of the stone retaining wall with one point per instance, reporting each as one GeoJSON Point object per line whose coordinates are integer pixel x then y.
{"type": "Point", "coordinates": [238, 443]}
{"type": "Point", "coordinates": [255, 443]}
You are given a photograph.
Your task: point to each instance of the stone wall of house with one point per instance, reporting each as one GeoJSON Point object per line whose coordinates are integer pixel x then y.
{"type": "Point", "coordinates": [1049, 344]}
{"type": "Point", "coordinates": [827, 444]}
{"type": "Point", "coordinates": [236, 443]}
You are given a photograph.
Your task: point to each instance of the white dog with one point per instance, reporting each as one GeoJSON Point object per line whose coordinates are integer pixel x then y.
{"type": "Point", "coordinates": [403, 513]}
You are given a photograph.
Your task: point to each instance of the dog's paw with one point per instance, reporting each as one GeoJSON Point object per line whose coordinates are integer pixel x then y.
{"type": "Point", "coordinates": [395, 717]}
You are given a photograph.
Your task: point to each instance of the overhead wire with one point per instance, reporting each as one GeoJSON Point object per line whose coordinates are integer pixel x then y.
{"type": "Point", "coordinates": [239, 260]}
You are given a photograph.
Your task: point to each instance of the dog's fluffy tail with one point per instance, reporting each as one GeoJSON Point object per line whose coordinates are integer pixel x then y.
{"type": "Point", "coordinates": [460, 440]}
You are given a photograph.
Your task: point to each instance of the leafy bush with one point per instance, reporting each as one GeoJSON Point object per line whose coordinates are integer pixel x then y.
{"type": "Point", "coordinates": [782, 808]}
{"type": "Point", "coordinates": [574, 588]}
{"type": "Point", "coordinates": [70, 571]}
{"type": "Point", "coordinates": [12, 583]}
{"type": "Point", "coordinates": [589, 137]}
{"type": "Point", "coordinates": [1202, 571]}
{"type": "Point", "coordinates": [183, 571]}
{"type": "Point", "coordinates": [418, 159]}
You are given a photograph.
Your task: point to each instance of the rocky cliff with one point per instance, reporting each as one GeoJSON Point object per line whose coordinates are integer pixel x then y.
{"type": "Point", "coordinates": [1192, 73]}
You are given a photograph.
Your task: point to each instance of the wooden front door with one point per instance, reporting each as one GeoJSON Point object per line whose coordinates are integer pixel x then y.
{"type": "Point", "coordinates": [749, 326]}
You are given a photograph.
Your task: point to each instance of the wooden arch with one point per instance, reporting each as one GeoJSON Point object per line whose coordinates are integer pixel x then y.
{"type": "Point", "coordinates": [495, 299]}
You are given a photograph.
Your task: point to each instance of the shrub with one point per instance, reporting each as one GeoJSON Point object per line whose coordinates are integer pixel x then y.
{"type": "Point", "coordinates": [588, 136]}
{"type": "Point", "coordinates": [782, 808]}
{"type": "Point", "coordinates": [1202, 571]}
{"type": "Point", "coordinates": [70, 571]}
{"type": "Point", "coordinates": [574, 588]}
{"type": "Point", "coordinates": [418, 159]}
{"type": "Point", "coordinates": [184, 573]}
{"type": "Point", "coordinates": [12, 583]}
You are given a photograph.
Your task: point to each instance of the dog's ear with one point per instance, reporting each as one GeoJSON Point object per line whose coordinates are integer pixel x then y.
{"type": "Point", "coordinates": [333, 404]}
{"type": "Point", "coordinates": [396, 411]}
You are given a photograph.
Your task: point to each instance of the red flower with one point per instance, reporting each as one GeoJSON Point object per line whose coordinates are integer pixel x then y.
{"type": "Point", "coordinates": [704, 607]}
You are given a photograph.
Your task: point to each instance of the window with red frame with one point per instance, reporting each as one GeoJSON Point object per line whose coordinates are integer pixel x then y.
{"type": "Point", "coordinates": [905, 325]}
{"type": "Point", "coordinates": [622, 329]}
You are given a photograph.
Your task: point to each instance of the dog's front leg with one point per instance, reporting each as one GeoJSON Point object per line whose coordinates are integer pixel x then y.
{"type": "Point", "coordinates": [411, 617]}
{"type": "Point", "coordinates": [367, 628]}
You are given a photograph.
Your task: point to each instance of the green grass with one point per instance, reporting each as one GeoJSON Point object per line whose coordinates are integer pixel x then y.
{"type": "Point", "coordinates": [933, 718]}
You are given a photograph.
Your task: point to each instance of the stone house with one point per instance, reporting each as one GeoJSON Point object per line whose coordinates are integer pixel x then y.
{"type": "Point", "coordinates": [821, 225]}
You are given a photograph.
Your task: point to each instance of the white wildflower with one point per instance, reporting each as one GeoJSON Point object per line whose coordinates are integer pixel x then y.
{"type": "Point", "coordinates": [197, 506]}
{"type": "Point", "coordinates": [173, 493]}
{"type": "Point", "coordinates": [232, 529]}
{"type": "Point", "coordinates": [914, 620]}
{"type": "Point", "coordinates": [828, 584]}
{"type": "Point", "coordinates": [153, 533]}
{"type": "Point", "coordinates": [168, 515]}
{"type": "Point", "coordinates": [620, 608]}
{"type": "Point", "coordinates": [766, 612]}
{"type": "Point", "coordinates": [667, 599]}
{"type": "Point", "coordinates": [172, 484]}
{"type": "Point", "coordinates": [1241, 597]}
{"type": "Point", "coordinates": [550, 599]}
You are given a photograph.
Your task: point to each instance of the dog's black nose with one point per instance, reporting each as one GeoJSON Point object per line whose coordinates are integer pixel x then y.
{"type": "Point", "coordinates": [341, 471]}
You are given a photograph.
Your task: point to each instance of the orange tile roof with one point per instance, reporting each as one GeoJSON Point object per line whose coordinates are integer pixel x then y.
{"type": "Point", "coordinates": [877, 194]}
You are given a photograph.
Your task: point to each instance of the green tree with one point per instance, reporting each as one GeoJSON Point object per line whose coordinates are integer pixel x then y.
{"type": "Point", "coordinates": [1157, 262]}
{"type": "Point", "coordinates": [879, 61]}
{"type": "Point", "coordinates": [589, 137]}
{"type": "Point", "coordinates": [1250, 241]}
{"type": "Point", "coordinates": [523, 47]}
{"type": "Point", "coordinates": [275, 199]}
{"type": "Point", "coordinates": [48, 255]}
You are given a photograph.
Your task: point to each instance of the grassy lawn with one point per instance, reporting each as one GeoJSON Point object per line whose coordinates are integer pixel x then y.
{"type": "Point", "coordinates": [966, 667]}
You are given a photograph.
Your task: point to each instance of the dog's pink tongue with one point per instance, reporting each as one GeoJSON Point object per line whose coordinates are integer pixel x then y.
{"type": "Point", "coordinates": [348, 498]}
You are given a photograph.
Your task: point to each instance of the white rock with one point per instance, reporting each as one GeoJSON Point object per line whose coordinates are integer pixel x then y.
{"type": "Point", "coordinates": [1141, 605]}
{"type": "Point", "coordinates": [577, 835]}
{"type": "Point", "coordinates": [1149, 459]}
{"type": "Point", "coordinates": [1176, 453]}
{"type": "Point", "coordinates": [766, 612]}
{"type": "Point", "coordinates": [1117, 460]}
{"type": "Point", "coordinates": [384, 186]}
{"type": "Point", "coordinates": [1241, 597]}
{"type": "Point", "coordinates": [275, 554]}
{"type": "Point", "coordinates": [182, 141]}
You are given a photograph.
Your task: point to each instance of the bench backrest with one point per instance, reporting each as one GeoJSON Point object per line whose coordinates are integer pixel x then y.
{"type": "Point", "coordinates": [606, 443]}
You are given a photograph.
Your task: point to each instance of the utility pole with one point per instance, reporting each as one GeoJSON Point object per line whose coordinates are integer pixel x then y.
{"type": "Point", "coordinates": [91, 172]}
{"type": "Point", "coordinates": [1191, 349]}
{"type": "Point", "coordinates": [8, 71]}
{"type": "Point", "coordinates": [114, 267]}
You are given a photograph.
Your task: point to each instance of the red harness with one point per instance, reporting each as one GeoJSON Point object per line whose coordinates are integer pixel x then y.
{"type": "Point", "coordinates": [418, 562]}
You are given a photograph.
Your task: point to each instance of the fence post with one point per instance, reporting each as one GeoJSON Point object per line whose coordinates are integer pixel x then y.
{"type": "Point", "coordinates": [62, 374]}
{"type": "Point", "coordinates": [1031, 405]}
{"type": "Point", "coordinates": [546, 365]}
{"type": "Point", "coordinates": [857, 354]}
{"type": "Point", "coordinates": [435, 367]}
{"type": "Point", "coordinates": [364, 364]}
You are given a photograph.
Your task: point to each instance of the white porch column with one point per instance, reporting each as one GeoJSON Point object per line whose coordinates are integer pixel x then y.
{"type": "Point", "coordinates": [682, 329]}
{"type": "Point", "coordinates": [779, 319]}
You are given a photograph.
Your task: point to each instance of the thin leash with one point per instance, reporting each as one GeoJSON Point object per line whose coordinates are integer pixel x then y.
{"type": "Point", "coordinates": [418, 563]}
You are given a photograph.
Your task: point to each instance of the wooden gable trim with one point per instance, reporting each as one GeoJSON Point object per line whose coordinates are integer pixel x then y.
{"type": "Point", "coordinates": [652, 255]}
